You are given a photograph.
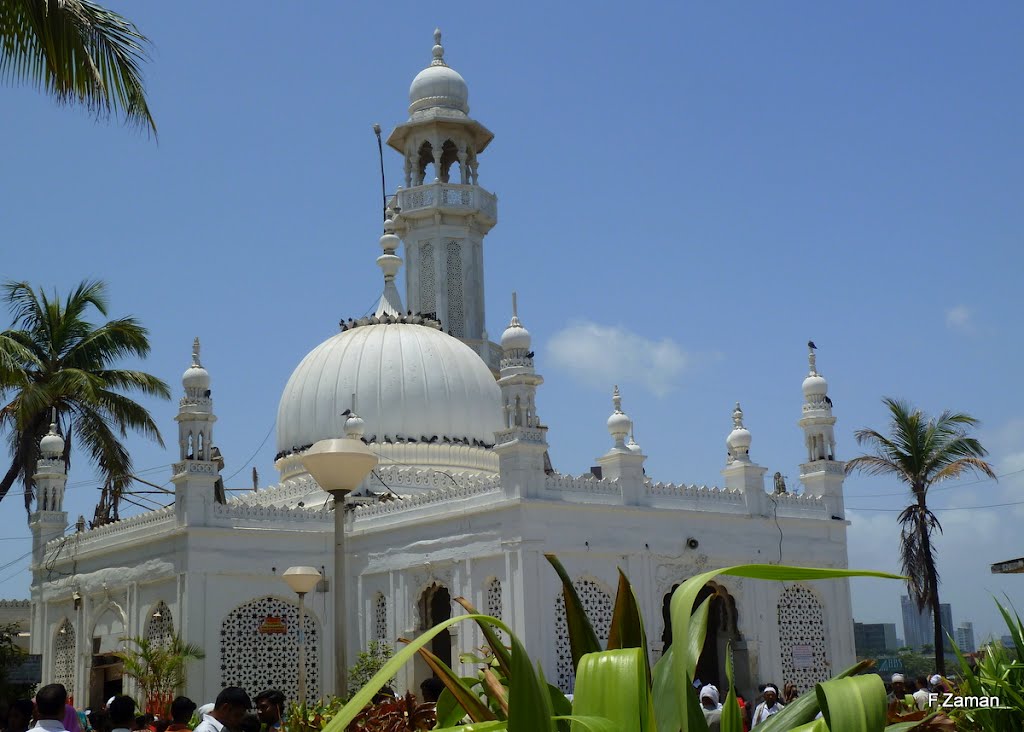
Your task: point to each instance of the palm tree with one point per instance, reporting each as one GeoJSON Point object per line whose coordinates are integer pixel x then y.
{"type": "Point", "coordinates": [52, 358]}
{"type": "Point", "coordinates": [921, 452]}
{"type": "Point", "coordinates": [77, 51]}
{"type": "Point", "coordinates": [158, 669]}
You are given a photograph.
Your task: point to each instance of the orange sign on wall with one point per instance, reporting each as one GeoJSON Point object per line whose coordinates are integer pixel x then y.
{"type": "Point", "coordinates": [273, 625]}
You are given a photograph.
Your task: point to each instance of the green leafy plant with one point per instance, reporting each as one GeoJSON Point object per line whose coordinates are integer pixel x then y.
{"type": "Point", "coordinates": [368, 663]}
{"type": "Point", "coordinates": [158, 668]}
{"type": "Point", "coordinates": [614, 692]}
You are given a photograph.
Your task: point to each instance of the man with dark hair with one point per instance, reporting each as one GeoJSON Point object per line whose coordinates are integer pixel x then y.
{"type": "Point", "coordinates": [50, 701]}
{"type": "Point", "coordinates": [270, 708]}
{"type": "Point", "coordinates": [431, 689]}
{"type": "Point", "coordinates": [182, 709]}
{"type": "Point", "coordinates": [228, 711]}
{"type": "Point", "coordinates": [122, 714]}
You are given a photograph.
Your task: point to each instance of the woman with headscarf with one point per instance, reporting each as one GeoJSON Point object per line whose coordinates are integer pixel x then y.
{"type": "Point", "coordinates": [768, 707]}
{"type": "Point", "coordinates": [711, 707]}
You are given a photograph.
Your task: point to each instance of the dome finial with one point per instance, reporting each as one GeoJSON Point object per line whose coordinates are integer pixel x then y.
{"type": "Point", "coordinates": [738, 441]}
{"type": "Point", "coordinates": [438, 50]}
{"type": "Point", "coordinates": [516, 337]}
{"type": "Point", "coordinates": [390, 302]}
{"type": "Point", "coordinates": [812, 358]}
{"type": "Point", "coordinates": [617, 399]}
{"type": "Point", "coordinates": [619, 424]}
{"type": "Point", "coordinates": [52, 444]}
{"type": "Point", "coordinates": [195, 353]}
{"type": "Point", "coordinates": [737, 417]}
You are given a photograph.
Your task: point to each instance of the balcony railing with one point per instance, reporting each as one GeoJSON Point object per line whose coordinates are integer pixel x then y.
{"type": "Point", "coordinates": [450, 196]}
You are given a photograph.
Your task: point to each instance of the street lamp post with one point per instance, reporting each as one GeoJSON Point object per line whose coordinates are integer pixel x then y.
{"type": "Point", "coordinates": [339, 466]}
{"type": "Point", "coordinates": [302, 580]}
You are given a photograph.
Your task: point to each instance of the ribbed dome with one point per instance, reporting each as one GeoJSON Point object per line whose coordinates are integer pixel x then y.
{"type": "Point", "coordinates": [438, 85]}
{"type": "Point", "coordinates": [410, 381]}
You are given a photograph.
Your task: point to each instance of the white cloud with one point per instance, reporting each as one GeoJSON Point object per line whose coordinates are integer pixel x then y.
{"type": "Point", "coordinates": [601, 355]}
{"type": "Point", "coordinates": [960, 319]}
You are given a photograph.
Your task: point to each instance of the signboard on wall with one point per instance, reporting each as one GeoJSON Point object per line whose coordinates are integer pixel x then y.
{"type": "Point", "coordinates": [803, 657]}
{"type": "Point", "coordinates": [273, 625]}
{"type": "Point", "coordinates": [29, 671]}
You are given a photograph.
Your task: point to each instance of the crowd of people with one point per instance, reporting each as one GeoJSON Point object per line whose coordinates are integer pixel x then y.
{"type": "Point", "coordinates": [904, 698]}
{"type": "Point", "coordinates": [51, 712]}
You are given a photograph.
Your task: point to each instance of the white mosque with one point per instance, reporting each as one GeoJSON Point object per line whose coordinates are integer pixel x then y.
{"type": "Point", "coordinates": [464, 501]}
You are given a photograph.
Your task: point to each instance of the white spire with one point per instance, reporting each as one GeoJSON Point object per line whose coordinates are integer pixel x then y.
{"type": "Point", "coordinates": [738, 441]}
{"type": "Point", "coordinates": [438, 50]}
{"type": "Point", "coordinates": [52, 445]}
{"type": "Point", "coordinates": [515, 337]}
{"type": "Point", "coordinates": [196, 379]}
{"type": "Point", "coordinates": [619, 424]}
{"type": "Point", "coordinates": [390, 302]}
{"type": "Point", "coordinates": [815, 386]}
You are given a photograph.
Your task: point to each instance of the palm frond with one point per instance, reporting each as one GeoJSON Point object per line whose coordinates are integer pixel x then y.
{"type": "Point", "coordinates": [77, 51]}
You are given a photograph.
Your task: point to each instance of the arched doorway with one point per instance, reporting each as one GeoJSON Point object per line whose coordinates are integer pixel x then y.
{"type": "Point", "coordinates": [722, 630]}
{"type": "Point", "coordinates": [106, 675]}
{"type": "Point", "coordinates": [435, 606]}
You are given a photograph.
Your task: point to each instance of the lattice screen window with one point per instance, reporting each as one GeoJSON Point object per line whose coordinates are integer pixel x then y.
{"type": "Point", "coordinates": [802, 638]}
{"type": "Point", "coordinates": [259, 648]}
{"type": "Point", "coordinates": [160, 626]}
{"type": "Point", "coordinates": [598, 605]}
{"type": "Point", "coordinates": [494, 606]}
{"type": "Point", "coordinates": [428, 288]}
{"type": "Point", "coordinates": [380, 617]}
{"type": "Point", "coordinates": [456, 310]}
{"type": "Point", "coordinates": [64, 655]}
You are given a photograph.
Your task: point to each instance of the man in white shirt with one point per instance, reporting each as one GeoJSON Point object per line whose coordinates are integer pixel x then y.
{"type": "Point", "coordinates": [231, 705]}
{"type": "Point", "coordinates": [122, 713]}
{"type": "Point", "coordinates": [50, 702]}
{"type": "Point", "coordinates": [921, 695]}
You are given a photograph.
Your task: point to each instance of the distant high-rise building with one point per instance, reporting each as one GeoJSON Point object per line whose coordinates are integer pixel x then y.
{"type": "Point", "coordinates": [919, 628]}
{"type": "Point", "coordinates": [871, 639]}
{"type": "Point", "coordinates": [965, 638]}
{"type": "Point", "coordinates": [1007, 640]}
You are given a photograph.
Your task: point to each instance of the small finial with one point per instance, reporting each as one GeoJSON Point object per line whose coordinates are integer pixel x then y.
{"type": "Point", "coordinates": [515, 309]}
{"type": "Point", "coordinates": [737, 417]}
{"type": "Point", "coordinates": [617, 399]}
{"type": "Point", "coordinates": [195, 352]}
{"type": "Point", "coordinates": [53, 420]}
{"type": "Point", "coordinates": [438, 50]}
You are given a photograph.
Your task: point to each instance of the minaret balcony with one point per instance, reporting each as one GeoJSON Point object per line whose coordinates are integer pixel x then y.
{"type": "Point", "coordinates": [447, 198]}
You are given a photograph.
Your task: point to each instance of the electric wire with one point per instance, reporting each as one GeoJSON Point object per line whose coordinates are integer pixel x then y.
{"type": "Point", "coordinates": [942, 488]}
{"type": "Point", "coordinates": [950, 508]}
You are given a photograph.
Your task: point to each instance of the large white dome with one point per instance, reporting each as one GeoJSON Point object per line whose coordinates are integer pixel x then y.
{"type": "Point", "coordinates": [410, 381]}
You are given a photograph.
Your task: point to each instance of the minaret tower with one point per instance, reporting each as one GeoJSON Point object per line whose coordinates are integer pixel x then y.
{"type": "Point", "coordinates": [49, 520]}
{"type": "Point", "coordinates": [522, 443]}
{"type": "Point", "coordinates": [740, 472]}
{"type": "Point", "coordinates": [822, 475]}
{"type": "Point", "coordinates": [198, 469]}
{"type": "Point", "coordinates": [443, 215]}
{"type": "Point", "coordinates": [624, 462]}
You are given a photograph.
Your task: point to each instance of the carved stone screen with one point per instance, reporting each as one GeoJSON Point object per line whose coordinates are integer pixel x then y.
{"type": "Point", "coordinates": [160, 626]}
{"type": "Point", "coordinates": [64, 655]}
{"type": "Point", "coordinates": [259, 648]}
{"type": "Point", "coordinates": [428, 294]}
{"type": "Point", "coordinates": [380, 617]}
{"type": "Point", "coordinates": [456, 312]}
{"type": "Point", "coordinates": [494, 606]}
{"type": "Point", "coordinates": [802, 639]}
{"type": "Point", "coordinates": [598, 605]}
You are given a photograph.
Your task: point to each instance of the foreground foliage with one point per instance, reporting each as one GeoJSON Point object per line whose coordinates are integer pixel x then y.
{"type": "Point", "coordinates": [616, 690]}
{"type": "Point", "coordinates": [54, 357]}
{"type": "Point", "coordinates": [159, 669]}
{"type": "Point", "coordinates": [921, 452]}
{"type": "Point", "coordinates": [77, 51]}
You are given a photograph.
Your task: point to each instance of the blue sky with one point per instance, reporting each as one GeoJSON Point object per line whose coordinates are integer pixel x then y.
{"type": "Point", "coordinates": [690, 191]}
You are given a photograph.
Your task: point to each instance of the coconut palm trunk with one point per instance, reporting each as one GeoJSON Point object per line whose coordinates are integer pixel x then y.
{"type": "Point", "coordinates": [921, 452]}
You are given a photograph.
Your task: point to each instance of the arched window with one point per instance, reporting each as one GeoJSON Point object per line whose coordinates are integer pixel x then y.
{"type": "Point", "coordinates": [259, 648]}
{"type": "Point", "coordinates": [805, 659]}
{"type": "Point", "coordinates": [723, 629]}
{"type": "Point", "coordinates": [426, 158]}
{"type": "Point", "coordinates": [64, 656]}
{"type": "Point", "coordinates": [160, 626]}
{"type": "Point", "coordinates": [598, 605]}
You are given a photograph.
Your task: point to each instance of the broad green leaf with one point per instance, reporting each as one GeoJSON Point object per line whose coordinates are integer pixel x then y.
{"type": "Point", "coordinates": [363, 697]}
{"type": "Point", "coordinates": [590, 724]}
{"type": "Point", "coordinates": [805, 708]}
{"type": "Point", "coordinates": [561, 706]}
{"type": "Point", "coordinates": [695, 721]}
{"type": "Point", "coordinates": [627, 627]}
{"type": "Point", "coordinates": [582, 638]}
{"type": "Point", "coordinates": [818, 725]}
{"type": "Point", "coordinates": [498, 726]}
{"type": "Point", "coordinates": [613, 684]}
{"type": "Point", "coordinates": [664, 686]}
{"type": "Point", "coordinates": [448, 710]}
{"type": "Point", "coordinates": [529, 702]}
{"type": "Point", "coordinates": [856, 704]}
{"type": "Point", "coordinates": [732, 717]}
{"type": "Point", "coordinates": [501, 653]}
{"type": "Point", "coordinates": [685, 595]}
{"type": "Point", "coordinates": [464, 695]}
